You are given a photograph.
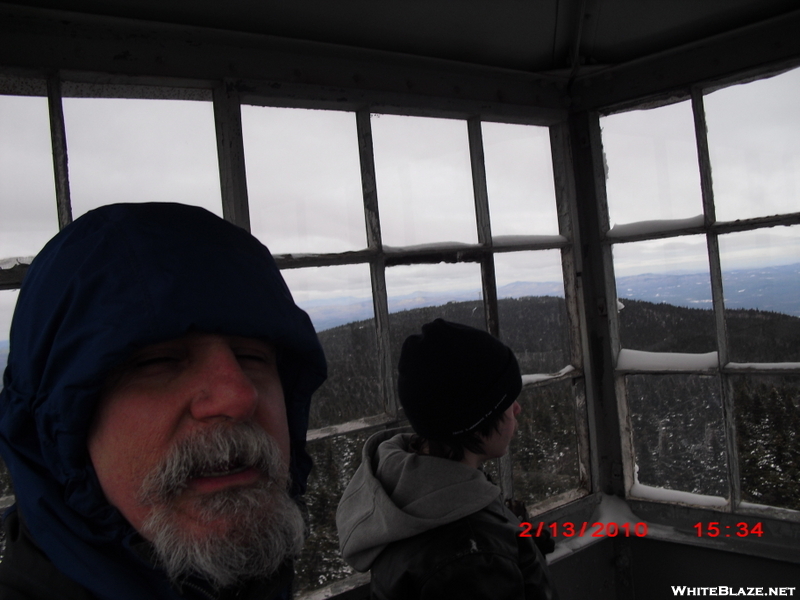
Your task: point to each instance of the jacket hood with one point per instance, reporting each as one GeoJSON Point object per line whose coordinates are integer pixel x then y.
{"type": "Point", "coordinates": [117, 279]}
{"type": "Point", "coordinates": [396, 494]}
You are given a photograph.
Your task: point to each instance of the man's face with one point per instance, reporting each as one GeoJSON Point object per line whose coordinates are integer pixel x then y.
{"type": "Point", "coordinates": [177, 393]}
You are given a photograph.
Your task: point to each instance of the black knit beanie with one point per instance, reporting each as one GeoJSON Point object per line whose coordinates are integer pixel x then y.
{"type": "Point", "coordinates": [454, 377]}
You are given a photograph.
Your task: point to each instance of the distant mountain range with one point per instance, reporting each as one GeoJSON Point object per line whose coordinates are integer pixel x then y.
{"type": "Point", "coordinates": [774, 289]}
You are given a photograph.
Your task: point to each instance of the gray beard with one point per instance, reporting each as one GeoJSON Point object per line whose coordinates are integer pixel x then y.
{"type": "Point", "coordinates": [264, 526]}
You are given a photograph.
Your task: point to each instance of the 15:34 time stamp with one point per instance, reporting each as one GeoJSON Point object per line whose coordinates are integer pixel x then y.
{"type": "Point", "coordinates": [715, 529]}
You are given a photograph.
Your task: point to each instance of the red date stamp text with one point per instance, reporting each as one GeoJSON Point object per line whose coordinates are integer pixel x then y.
{"type": "Point", "coordinates": [597, 529]}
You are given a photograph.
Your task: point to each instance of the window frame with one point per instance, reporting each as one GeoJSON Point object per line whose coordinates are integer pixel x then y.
{"type": "Point", "coordinates": [724, 370]}
{"type": "Point", "coordinates": [379, 258]}
{"type": "Point", "coordinates": [290, 73]}
{"type": "Point", "coordinates": [227, 102]}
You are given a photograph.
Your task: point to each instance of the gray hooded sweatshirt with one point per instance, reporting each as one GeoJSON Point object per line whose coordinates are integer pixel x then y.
{"type": "Point", "coordinates": [396, 494]}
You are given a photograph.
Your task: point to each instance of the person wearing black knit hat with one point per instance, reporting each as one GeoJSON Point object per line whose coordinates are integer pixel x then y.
{"type": "Point", "coordinates": [419, 513]}
{"type": "Point", "coordinates": [456, 379]}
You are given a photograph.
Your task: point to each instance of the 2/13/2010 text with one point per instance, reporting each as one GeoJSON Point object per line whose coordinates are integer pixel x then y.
{"type": "Point", "coordinates": [597, 529]}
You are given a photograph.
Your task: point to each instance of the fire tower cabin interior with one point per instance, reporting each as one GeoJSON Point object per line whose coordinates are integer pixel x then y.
{"type": "Point", "coordinates": [610, 187]}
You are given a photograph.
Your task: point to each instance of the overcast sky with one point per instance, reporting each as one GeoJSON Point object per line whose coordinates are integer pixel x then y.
{"type": "Point", "coordinates": [305, 193]}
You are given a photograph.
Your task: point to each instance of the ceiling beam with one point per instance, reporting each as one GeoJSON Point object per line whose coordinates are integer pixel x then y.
{"type": "Point", "coordinates": [99, 49]}
{"type": "Point", "coordinates": [758, 48]}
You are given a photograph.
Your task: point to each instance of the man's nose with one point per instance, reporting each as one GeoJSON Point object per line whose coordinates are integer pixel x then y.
{"type": "Point", "coordinates": [517, 407]}
{"type": "Point", "coordinates": [224, 391]}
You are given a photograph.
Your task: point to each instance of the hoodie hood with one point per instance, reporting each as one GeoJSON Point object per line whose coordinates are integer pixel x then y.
{"type": "Point", "coordinates": [119, 278]}
{"type": "Point", "coordinates": [396, 494]}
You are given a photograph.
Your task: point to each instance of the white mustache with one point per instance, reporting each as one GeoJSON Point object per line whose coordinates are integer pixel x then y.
{"type": "Point", "coordinates": [221, 450]}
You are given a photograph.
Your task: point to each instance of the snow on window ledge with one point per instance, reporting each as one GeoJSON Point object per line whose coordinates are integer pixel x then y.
{"type": "Point", "coordinates": [650, 227]}
{"type": "Point", "coordinates": [639, 360]}
{"type": "Point", "coordinates": [646, 492]}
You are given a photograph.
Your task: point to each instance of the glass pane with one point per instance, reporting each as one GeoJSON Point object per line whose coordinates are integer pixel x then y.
{"type": "Point", "coordinates": [6, 495]}
{"type": "Point", "coordinates": [131, 150]}
{"type": "Point", "coordinates": [419, 294]}
{"type": "Point", "coordinates": [652, 171]}
{"type": "Point", "coordinates": [533, 315]}
{"type": "Point", "coordinates": [339, 302]}
{"type": "Point", "coordinates": [28, 215]}
{"type": "Point", "coordinates": [8, 300]}
{"type": "Point", "coordinates": [519, 179]}
{"type": "Point", "coordinates": [545, 450]}
{"type": "Point", "coordinates": [424, 180]}
{"type": "Point", "coordinates": [767, 423]}
{"type": "Point", "coordinates": [678, 433]}
{"type": "Point", "coordinates": [335, 461]}
{"type": "Point", "coordinates": [664, 292]}
{"type": "Point", "coordinates": [752, 140]}
{"type": "Point", "coordinates": [761, 281]}
{"type": "Point", "coordinates": [303, 179]}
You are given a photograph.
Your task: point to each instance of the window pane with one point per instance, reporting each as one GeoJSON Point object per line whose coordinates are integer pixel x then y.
{"type": "Point", "coordinates": [664, 290]}
{"type": "Point", "coordinates": [303, 179]}
{"type": "Point", "coordinates": [131, 150]}
{"type": "Point", "coordinates": [652, 171]}
{"type": "Point", "coordinates": [28, 215]}
{"type": "Point", "coordinates": [752, 140]}
{"type": "Point", "coordinates": [8, 300]}
{"type": "Point", "coordinates": [533, 315]}
{"type": "Point", "coordinates": [678, 433]}
{"type": "Point", "coordinates": [519, 178]}
{"type": "Point", "coordinates": [424, 180]}
{"type": "Point", "coordinates": [767, 424]}
{"type": "Point", "coordinates": [761, 281]}
{"type": "Point", "coordinates": [339, 302]}
{"type": "Point", "coordinates": [418, 294]}
{"type": "Point", "coordinates": [335, 461]}
{"type": "Point", "coordinates": [545, 449]}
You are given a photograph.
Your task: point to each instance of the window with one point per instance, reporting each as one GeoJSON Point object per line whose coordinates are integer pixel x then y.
{"type": "Point", "coordinates": [422, 171]}
{"type": "Point", "coordinates": [303, 179]}
{"type": "Point", "coordinates": [752, 140]}
{"type": "Point", "coordinates": [338, 300]}
{"type": "Point", "coordinates": [662, 290]}
{"type": "Point", "coordinates": [519, 179]}
{"type": "Point", "coordinates": [651, 165]}
{"type": "Point", "coordinates": [380, 223]}
{"type": "Point", "coordinates": [658, 273]}
{"type": "Point", "coordinates": [431, 253]}
{"type": "Point", "coordinates": [141, 150]}
{"type": "Point", "coordinates": [27, 198]}
{"type": "Point", "coordinates": [27, 194]}
{"type": "Point", "coordinates": [707, 280]}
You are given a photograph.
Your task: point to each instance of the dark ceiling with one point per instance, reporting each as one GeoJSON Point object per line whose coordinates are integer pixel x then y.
{"type": "Point", "coordinates": [539, 36]}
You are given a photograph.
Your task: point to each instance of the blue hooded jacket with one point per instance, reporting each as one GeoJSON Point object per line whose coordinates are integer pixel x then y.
{"type": "Point", "coordinates": [119, 278]}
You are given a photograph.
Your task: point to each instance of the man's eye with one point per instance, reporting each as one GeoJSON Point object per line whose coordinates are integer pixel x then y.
{"type": "Point", "coordinates": [254, 357]}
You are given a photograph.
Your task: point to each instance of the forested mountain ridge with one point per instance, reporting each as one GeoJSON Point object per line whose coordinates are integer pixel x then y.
{"type": "Point", "coordinates": [753, 335]}
{"type": "Point", "coordinates": [535, 328]}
